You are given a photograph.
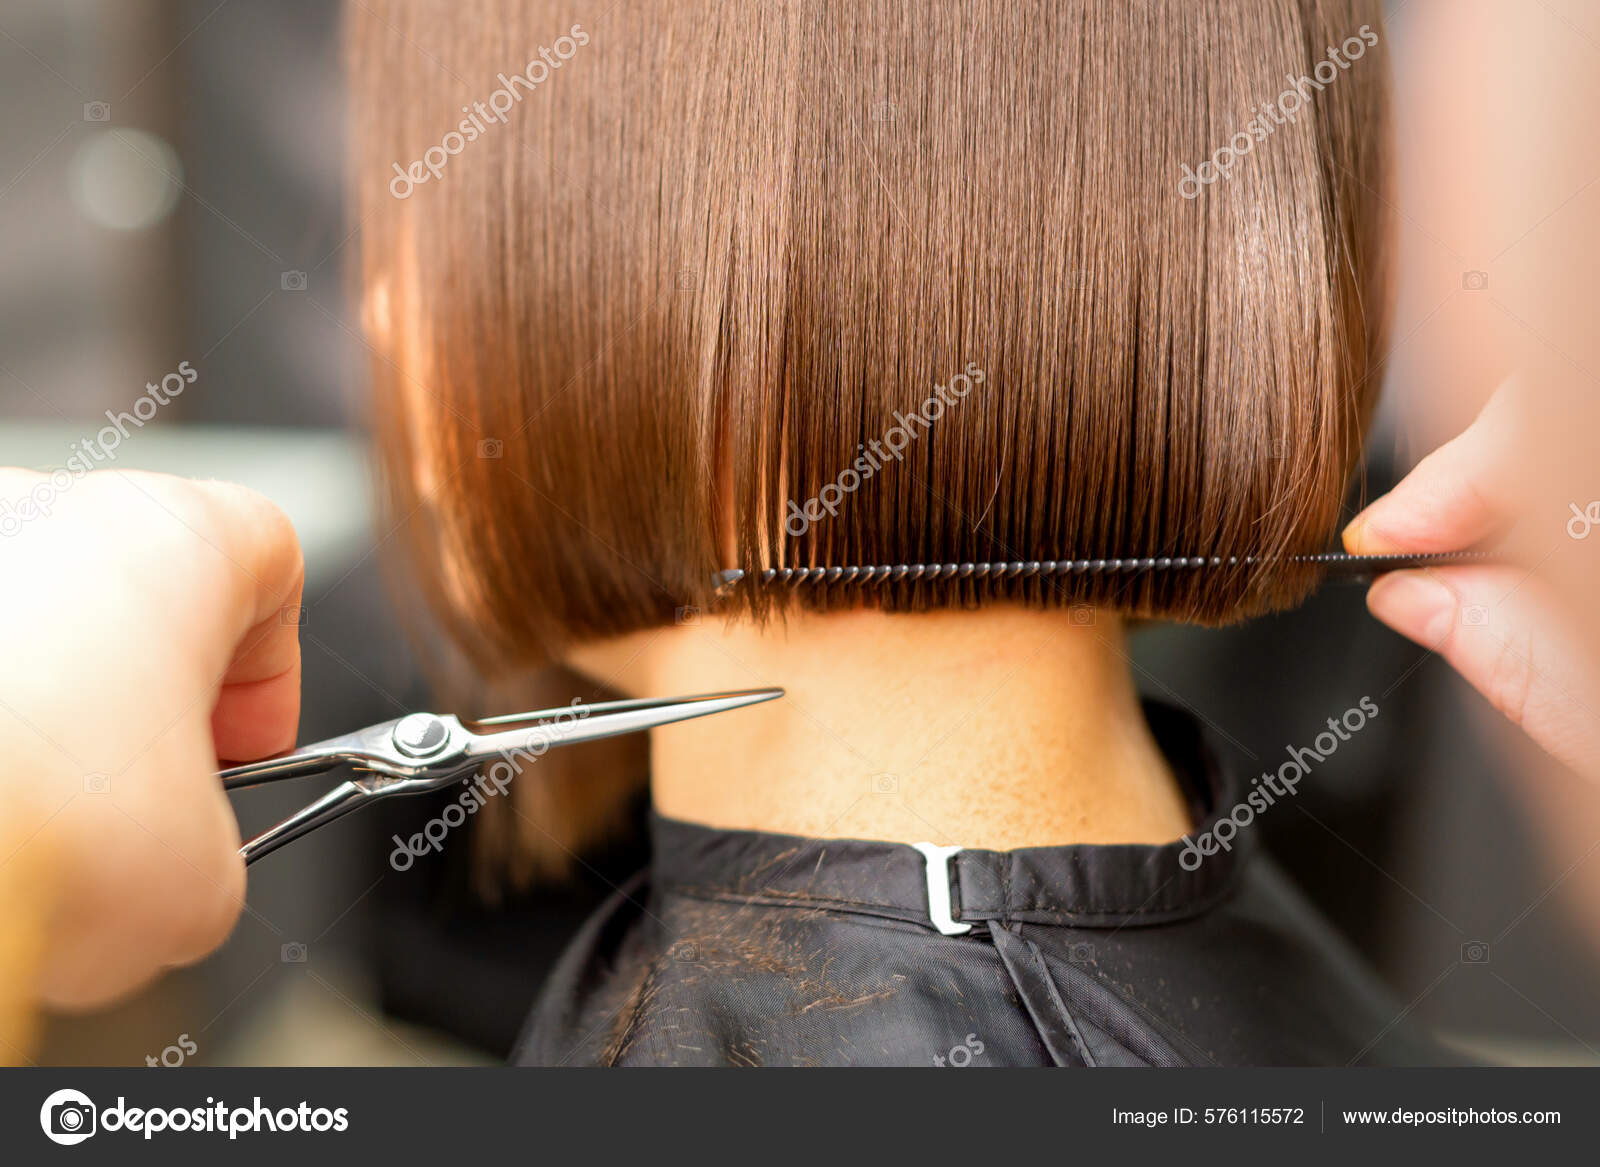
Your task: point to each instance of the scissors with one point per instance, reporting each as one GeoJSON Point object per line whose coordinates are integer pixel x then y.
{"type": "Point", "coordinates": [422, 752]}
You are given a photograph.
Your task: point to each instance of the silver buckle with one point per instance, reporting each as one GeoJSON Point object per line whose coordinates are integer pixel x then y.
{"type": "Point", "coordinates": [938, 868]}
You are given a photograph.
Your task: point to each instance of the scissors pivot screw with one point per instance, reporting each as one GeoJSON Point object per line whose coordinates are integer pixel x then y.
{"type": "Point", "coordinates": [420, 735]}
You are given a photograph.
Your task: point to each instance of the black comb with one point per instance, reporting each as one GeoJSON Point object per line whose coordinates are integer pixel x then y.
{"type": "Point", "coordinates": [1337, 565]}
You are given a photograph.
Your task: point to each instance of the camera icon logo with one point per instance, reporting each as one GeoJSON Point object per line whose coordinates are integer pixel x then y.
{"type": "Point", "coordinates": [884, 111]}
{"type": "Point", "coordinates": [293, 953]}
{"type": "Point", "coordinates": [885, 784]}
{"type": "Point", "coordinates": [67, 1117]}
{"type": "Point", "coordinates": [1475, 616]}
{"type": "Point", "coordinates": [1083, 614]}
{"type": "Point", "coordinates": [293, 281]}
{"type": "Point", "coordinates": [1475, 281]}
{"type": "Point", "coordinates": [491, 448]}
{"type": "Point", "coordinates": [686, 615]}
{"type": "Point", "coordinates": [293, 614]}
{"type": "Point", "coordinates": [688, 279]}
{"type": "Point", "coordinates": [97, 783]}
{"type": "Point", "coordinates": [97, 111]}
{"type": "Point", "coordinates": [1475, 952]}
{"type": "Point", "coordinates": [685, 952]}
{"type": "Point", "coordinates": [1080, 952]}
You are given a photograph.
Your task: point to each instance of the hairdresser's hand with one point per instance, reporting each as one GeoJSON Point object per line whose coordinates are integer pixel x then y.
{"type": "Point", "coordinates": [144, 635]}
{"type": "Point", "coordinates": [1514, 632]}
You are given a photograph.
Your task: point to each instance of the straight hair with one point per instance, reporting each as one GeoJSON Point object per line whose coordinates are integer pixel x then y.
{"type": "Point", "coordinates": [1022, 280]}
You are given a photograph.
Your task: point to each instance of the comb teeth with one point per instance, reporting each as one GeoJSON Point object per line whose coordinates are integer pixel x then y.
{"type": "Point", "coordinates": [1357, 565]}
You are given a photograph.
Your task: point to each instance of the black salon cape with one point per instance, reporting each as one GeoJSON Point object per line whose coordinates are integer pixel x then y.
{"type": "Point", "coordinates": [752, 949]}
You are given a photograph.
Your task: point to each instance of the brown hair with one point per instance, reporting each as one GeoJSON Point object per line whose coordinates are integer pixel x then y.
{"type": "Point", "coordinates": [712, 252]}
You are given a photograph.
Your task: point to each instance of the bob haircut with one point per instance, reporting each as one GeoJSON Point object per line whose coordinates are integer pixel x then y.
{"type": "Point", "coordinates": [690, 285]}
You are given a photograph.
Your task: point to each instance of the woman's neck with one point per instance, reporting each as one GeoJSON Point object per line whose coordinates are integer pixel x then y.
{"type": "Point", "coordinates": [998, 728]}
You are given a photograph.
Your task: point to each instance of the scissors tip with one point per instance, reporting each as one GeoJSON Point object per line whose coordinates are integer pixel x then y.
{"type": "Point", "coordinates": [753, 695]}
{"type": "Point", "coordinates": [619, 717]}
{"type": "Point", "coordinates": [737, 699]}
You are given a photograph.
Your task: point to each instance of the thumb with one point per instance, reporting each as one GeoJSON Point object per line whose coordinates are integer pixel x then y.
{"type": "Point", "coordinates": [1456, 496]}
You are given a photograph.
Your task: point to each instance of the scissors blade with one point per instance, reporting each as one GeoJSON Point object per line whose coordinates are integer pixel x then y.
{"type": "Point", "coordinates": [539, 731]}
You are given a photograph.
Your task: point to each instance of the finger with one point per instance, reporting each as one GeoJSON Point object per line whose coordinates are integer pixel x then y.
{"type": "Point", "coordinates": [263, 571]}
{"type": "Point", "coordinates": [253, 719]}
{"type": "Point", "coordinates": [1454, 498]}
{"type": "Point", "coordinates": [1501, 630]}
{"type": "Point", "coordinates": [257, 708]}
{"type": "Point", "coordinates": [239, 557]}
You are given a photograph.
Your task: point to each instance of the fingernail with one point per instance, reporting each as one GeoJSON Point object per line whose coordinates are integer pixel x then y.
{"type": "Point", "coordinates": [1364, 537]}
{"type": "Point", "coordinates": [1414, 605]}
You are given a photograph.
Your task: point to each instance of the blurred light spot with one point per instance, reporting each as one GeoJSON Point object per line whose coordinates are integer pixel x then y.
{"type": "Point", "coordinates": [377, 309]}
{"type": "Point", "coordinates": [125, 179]}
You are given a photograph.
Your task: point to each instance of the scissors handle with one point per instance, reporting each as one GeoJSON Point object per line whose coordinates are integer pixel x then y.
{"type": "Point", "coordinates": [375, 748]}
{"type": "Point", "coordinates": [341, 800]}
{"type": "Point", "coordinates": [296, 764]}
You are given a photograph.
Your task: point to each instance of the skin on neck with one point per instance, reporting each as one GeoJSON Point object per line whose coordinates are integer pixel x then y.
{"type": "Point", "coordinates": [999, 728]}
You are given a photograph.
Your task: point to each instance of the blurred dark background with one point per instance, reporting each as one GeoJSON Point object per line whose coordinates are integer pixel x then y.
{"type": "Point", "coordinates": [170, 179]}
